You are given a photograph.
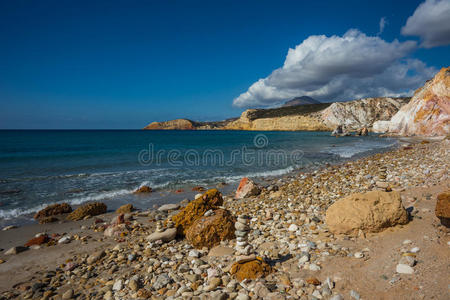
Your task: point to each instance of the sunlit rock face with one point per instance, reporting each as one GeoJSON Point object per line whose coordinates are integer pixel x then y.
{"type": "Point", "coordinates": [428, 112]}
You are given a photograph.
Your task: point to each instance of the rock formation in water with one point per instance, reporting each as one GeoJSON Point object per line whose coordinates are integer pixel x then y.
{"type": "Point", "coordinates": [428, 112]}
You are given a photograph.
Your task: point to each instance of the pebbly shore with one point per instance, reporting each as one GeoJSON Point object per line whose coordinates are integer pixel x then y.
{"type": "Point", "coordinates": [90, 259]}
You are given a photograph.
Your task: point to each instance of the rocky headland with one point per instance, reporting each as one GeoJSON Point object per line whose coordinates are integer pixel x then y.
{"type": "Point", "coordinates": [373, 228]}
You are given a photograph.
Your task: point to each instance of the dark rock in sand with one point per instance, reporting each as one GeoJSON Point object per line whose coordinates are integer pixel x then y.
{"type": "Point", "coordinates": [46, 220]}
{"type": "Point", "coordinates": [52, 210]}
{"type": "Point", "coordinates": [91, 209]}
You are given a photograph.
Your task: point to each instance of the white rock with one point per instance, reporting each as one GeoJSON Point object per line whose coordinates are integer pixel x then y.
{"type": "Point", "coordinates": [359, 255]}
{"type": "Point", "coordinates": [293, 227]}
{"type": "Point", "coordinates": [404, 269]}
{"type": "Point", "coordinates": [194, 253]}
{"type": "Point", "coordinates": [167, 207]}
{"type": "Point", "coordinates": [165, 236]}
{"type": "Point", "coordinates": [64, 240]}
{"type": "Point", "coordinates": [406, 242]}
{"type": "Point", "coordinates": [9, 227]}
{"type": "Point", "coordinates": [415, 250]}
{"type": "Point", "coordinates": [118, 285]}
{"type": "Point", "coordinates": [314, 267]}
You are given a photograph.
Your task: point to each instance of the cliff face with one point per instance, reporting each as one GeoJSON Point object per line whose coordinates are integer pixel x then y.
{"type": "Point", "coordinates": [354, 115]}
{"type": "Point", "coordinates": [357, 114]}
{"type": "Point", "coordinates": [428, 112]}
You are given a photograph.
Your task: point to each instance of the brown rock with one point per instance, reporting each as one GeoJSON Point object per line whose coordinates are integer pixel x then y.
{"type": "Point", "coordinates": [46, 220]}
{"type": "Point", "coordinates": [127, 208]}
{"type": "Point", "coordinates": [250, 270]}
{"type": "Point", "coordinates": [196, 209]}
{"type": "Point", "coordinates": [369, 212]}
{"type": "Point", "coordinates": [313, 281]}
{"type": "Point", "coordinates": [52, 210]}
{"type": "Point", "coordinates": [247, 188]}
{"type": "Point", "coordinates": [143, 189]}
{"type": "Point", "coordinates": [38, 240]}
{"type": "Point", "coordinates": [198, 189]}
{"type": "Point", "coordinates": [210, 231]}
{"type": "Point", "coordinates": [91, 209]}
{"type": "Point", "coordinates": [442, 209]}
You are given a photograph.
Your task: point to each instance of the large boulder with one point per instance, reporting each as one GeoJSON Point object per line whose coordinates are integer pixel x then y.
{"type": "Point", "coordinates": [196, 209]}
{"type": "Point", "coordinates": [369, 212]}
{"type": "Point", "coordinates": [210, 231]}
{"type": "Point", "coordinates": [442, 209]}
{"type": "Point", "coordinates": [253, 269]}
{"type": "Point", "coordinates": [247, 188]}
{"type": "Point", "coordinates": [165, 236]}
{"type": "Point", "coordinates": [91, 209]}
{"type": "Point", "coordinates": [143, 190]}
{"type": "Point", "coordinates": [124, 209]}
{"type": "Point", "coordinates": [52, 210]}
{"type": "Point", "coordinates": [428, 112]}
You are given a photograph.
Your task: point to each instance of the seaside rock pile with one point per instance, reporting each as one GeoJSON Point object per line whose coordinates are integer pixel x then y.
{"type": "Point", "coordinates": [196, 209]}
{"type": "Point", "coordinates": [209, 231]}
{"type": "Point", "coordinates": [143, 190]}
{"type": "Point", "coordinates": [163, 234]}
{"type": "Point", "coordinates": [247, 188]}
{"type": "Point", "coordinates": [242, 229]}
{"type": "Point", "coordinates": [442, 210]}
{"type": "Point", "coordinates": [87, 210]}
{"type": "Point", "coordinates": [369, 212]}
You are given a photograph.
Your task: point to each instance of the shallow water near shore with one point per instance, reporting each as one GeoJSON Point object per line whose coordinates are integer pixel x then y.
{"type": "Point", "coordinates": [41, 167]}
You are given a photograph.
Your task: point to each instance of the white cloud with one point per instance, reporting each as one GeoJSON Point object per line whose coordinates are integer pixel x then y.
{"type": "Point", "coordinates": [383, 23]}
{"type": "Point", "coordinates": [340, 68]}
{"type": "Point", "coordinates": [431, 22]}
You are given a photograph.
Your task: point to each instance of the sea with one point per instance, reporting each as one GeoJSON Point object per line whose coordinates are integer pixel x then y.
{"type": "Point", "coordinates": [42, 167]}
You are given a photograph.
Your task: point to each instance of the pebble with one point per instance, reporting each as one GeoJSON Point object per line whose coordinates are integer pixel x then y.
{"type": "Point", "coordinates": [118, 285]}
{"type": "Point", "coordinates": [64, 240]}
{"type": "Point", "coordinates": [68, 294]}
{"type": "Point", "coordinates": [415, 250]}
{"type": "Point", "coordinates": [404, 269]}
{"type": "Point", "coordinates": [359, 255]}
{"type": "Point", "coordinates": [355, 295]}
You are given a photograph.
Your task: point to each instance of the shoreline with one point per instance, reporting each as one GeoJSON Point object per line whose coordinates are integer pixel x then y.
{"type": "Point", "coordinates": [318, 189]}
{"type": "Point", "coordinates": [165, 195]}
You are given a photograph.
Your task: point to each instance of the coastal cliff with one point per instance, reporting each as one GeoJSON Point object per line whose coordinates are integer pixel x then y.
{"type": "Point", "coordinates": [353, 115]}
{"type": "Point", "coordinates": [428, 113]}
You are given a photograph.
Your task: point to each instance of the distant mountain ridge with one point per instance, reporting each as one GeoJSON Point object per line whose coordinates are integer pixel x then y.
{"type": "Point", "coordinates": [300, 101]}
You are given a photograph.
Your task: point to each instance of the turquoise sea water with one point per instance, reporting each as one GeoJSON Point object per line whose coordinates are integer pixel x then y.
{"type": "Point", "coordinates": [39, 167]}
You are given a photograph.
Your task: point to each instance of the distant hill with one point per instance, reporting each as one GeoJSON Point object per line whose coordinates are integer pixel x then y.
{"type": "Point", "coordinates": [300, 101]}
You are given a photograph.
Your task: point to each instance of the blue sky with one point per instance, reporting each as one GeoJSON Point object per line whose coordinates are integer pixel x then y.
{"type": "Point", "coordinates": [123, 64]}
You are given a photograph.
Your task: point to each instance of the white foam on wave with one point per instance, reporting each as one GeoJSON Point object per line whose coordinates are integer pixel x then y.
{"type": "Point", "coordinates": [348, 151]}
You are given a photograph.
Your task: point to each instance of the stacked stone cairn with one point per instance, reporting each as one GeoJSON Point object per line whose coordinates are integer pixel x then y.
{"type": "Point", "coordinates": [242, 227]}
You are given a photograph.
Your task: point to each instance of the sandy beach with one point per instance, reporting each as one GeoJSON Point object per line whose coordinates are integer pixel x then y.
{"type": "Point", "coordinates": [288, 231]}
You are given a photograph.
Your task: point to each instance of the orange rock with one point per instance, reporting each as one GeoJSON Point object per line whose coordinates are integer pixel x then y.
{"type": "Point", "coordinates": [247, 188]}
{"type": "Point", "coordinates": [143, 189]}
{"type": "Point", "coordinates": [370, 212]}
{"type": "Point", "coordinates": [210, 231]}
{"type": "Point", "coordinates": [38, 240]}
{"type": "Point", "coordinates": [179, 191]}
{"type": "Point", "coordinates": [442, 209]}
{"type": "Point", "coordinates": [253, 269]}
{"type": "Point", "coordinates": [196, 209]}
{"type": "Point", "coordinates": [313, 281]}
{"type": "Point", "coordinates": [198, 189]}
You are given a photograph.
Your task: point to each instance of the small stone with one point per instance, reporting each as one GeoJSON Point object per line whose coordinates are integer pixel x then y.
{"type": "Point", "coordinates": [64, 240]}
{"type": "Point", "coordinates": [117, 285]}
{"type": "Point", "coordinates": [9, 227]}
{"type": "Point", "coordinates": [415, 250]}
{"type": "Point", "coordinates": [314, 267]}
{"type": "Point", "coordinates": [359, 255]}
{"type": "Point", "coordinates": [16, 250]}
{"type": "Point", "coordinates": [95, 257]}
{"type": "Point", "coordinates": [194, 253]}
{"type": "Point", "coordinates": [293, 227]}
{"type": "Point", "coordinates": [408, 260]}
{"type": "Point", "coordinates": [337, 297]}
{"type": "Point", "coordinates": [404, 269]}
{"type": "Point", "coordinates": [68, 294]}
{"type": "Point", "coordinates": [168, 207]}
{"type": "Point", "coordinates": [355, 295]}
{"type": "Point", "coordinates": [165, 236]}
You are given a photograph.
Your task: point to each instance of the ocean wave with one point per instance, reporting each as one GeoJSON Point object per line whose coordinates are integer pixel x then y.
{"type": "Point", "coordinates": [349, 151]}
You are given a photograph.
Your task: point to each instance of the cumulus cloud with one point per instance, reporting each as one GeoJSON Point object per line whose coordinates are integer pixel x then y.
{"type": "Point", "coordinates": [431, 22]}
{"type": "Point", "coordinates": [383, 23]}
{"type": "Point", "coordinates": [340, 68]}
